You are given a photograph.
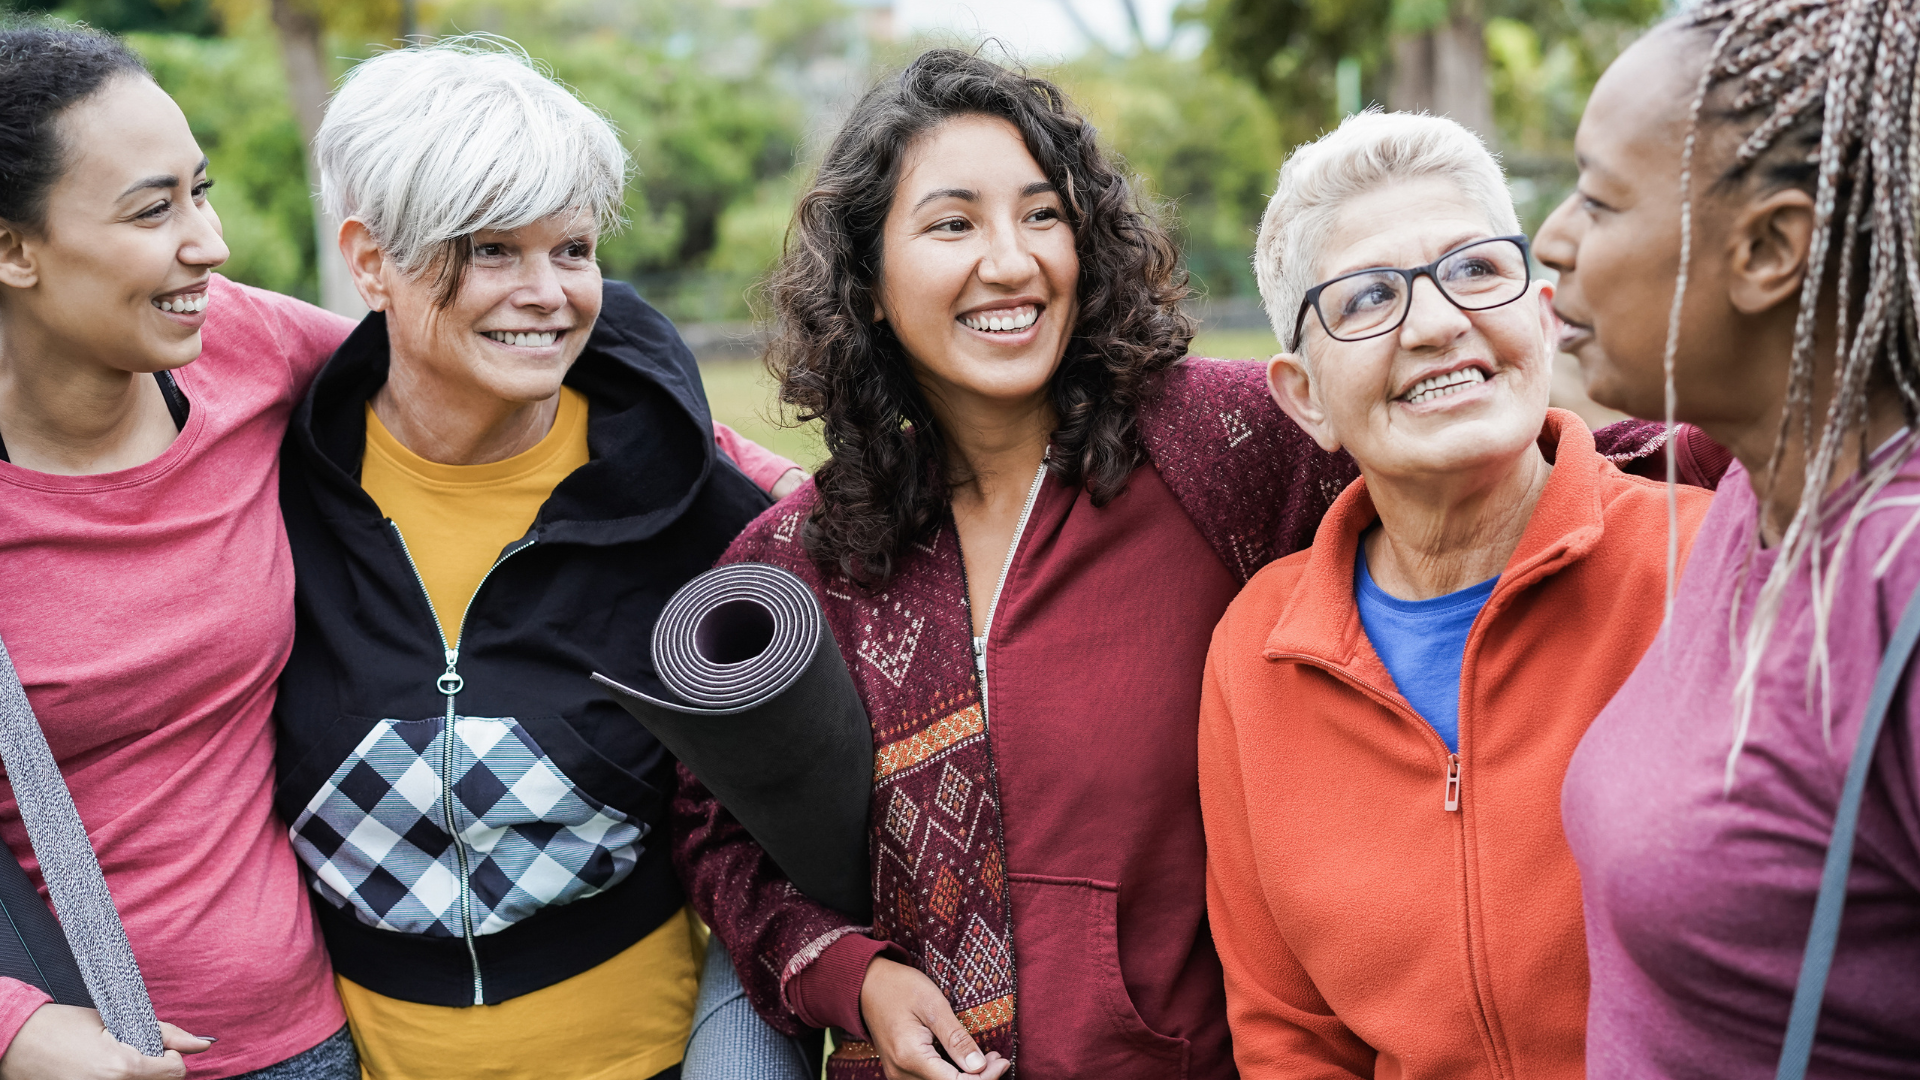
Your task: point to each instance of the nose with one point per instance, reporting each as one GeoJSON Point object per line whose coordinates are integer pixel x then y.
{"type": "Point", "coordinates": [1009, 259]}
{"type": "Point", "coordinates": [1557, 242]}
{"type": "Point", "coordinates": [1432, 319]}
{"type": "Point", "coordinates": [203, 246]}
{"type": "Point", "coordinates": [540, 288]}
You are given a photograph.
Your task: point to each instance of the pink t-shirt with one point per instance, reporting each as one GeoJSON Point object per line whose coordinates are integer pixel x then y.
{"type": "Point", "coordinates": [149, 612]}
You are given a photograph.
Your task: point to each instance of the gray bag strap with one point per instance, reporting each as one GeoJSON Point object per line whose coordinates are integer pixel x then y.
{"type": "Point", "coordinates": [1824, 935]}
{"type": "Point", "coordinates": [72, 873]}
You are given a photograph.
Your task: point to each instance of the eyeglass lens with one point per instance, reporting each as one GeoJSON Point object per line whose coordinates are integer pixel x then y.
{"type": "Point", "coordinates": [1476, 277]}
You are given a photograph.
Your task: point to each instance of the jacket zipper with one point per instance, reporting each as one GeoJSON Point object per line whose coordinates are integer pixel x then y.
{"type": "Point", "coordinates": [993, 605]}
{"type": "Point", "coordinates": [450, 684]}
{"type": "Point", "coordinates": [1450, 803]}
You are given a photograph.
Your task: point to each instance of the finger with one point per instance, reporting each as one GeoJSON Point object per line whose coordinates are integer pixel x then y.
{"type": "Point", "coordinates": [952, 1035]}
{"type": "Point", "coordinates": [168, 1066]}
{"type": "Point", "coordinates": [997, 1067]}
{"type": "Point", "coordinates": [175, 1039]}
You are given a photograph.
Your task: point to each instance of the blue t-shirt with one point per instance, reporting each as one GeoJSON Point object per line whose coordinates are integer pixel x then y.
{"type": "Point", "coordinates": [1423, 643]}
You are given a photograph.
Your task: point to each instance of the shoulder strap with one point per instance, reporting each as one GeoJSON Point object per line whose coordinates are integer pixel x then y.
{"type": "Point", "coordinates": [1797, 1050]}
{"type": "Point", "coordinates": [88, 919]}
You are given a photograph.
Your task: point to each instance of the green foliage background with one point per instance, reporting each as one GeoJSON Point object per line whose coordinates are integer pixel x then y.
{"type": "Point", "coordinates": [723, 104]}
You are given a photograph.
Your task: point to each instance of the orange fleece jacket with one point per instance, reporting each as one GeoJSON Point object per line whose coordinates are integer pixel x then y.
{"type": "Point", "coordinates": [1366, 929]}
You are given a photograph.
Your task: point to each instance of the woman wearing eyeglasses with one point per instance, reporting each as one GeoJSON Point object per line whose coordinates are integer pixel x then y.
{"type": "Point", "coordinates": [1387, 715]}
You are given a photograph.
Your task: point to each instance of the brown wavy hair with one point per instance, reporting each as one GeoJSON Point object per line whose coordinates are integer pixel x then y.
{"type": "Point", "coordinates": [887, 480]}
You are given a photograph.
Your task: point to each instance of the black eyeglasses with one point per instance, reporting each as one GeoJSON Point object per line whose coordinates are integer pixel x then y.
{"type": "Point", "coordinates": [1368, 303]}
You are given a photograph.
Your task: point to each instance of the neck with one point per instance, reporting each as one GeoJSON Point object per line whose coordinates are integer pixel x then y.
{"type": "Point", "coordinates": [64, 415]}
{"type": "Point", "coordinates": [457, 423]}
{"type": "Point", "coordinates": [993, 450]}
{"type": "Point", "coordinates": [1442, 533]}
{"type": "Point", "coordinates": [1751, 434]}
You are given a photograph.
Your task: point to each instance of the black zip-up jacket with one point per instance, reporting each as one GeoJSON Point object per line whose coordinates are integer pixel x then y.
{"type": "Point", "coordinates": [477, 820]}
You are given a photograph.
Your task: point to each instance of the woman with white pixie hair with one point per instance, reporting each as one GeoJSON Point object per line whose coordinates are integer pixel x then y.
{"type": "Point", "coordinates": [1387, 716]}
{"type": "Point", "coordinates": [490, 491]}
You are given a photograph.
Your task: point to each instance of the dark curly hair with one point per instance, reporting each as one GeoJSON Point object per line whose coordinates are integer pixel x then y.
{"type": "Point", "coordinates": [886, 482]}
{"type": "Point", "coordinates": [45, 70]}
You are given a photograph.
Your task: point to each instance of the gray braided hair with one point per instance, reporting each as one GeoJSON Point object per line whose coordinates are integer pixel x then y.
{"type": "Point", "coordinates": [1830, 88]}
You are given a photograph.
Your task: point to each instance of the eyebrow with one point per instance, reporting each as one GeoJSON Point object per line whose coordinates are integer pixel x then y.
{"type": "Point", "coordinates": [1038, 187]}
{"type": "Point", "coordinates": [161, 182]}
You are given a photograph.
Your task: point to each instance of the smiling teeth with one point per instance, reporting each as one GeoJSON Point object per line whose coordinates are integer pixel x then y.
{"type": "Point", "coordinates": [1003, 320]}
{"type": "Point", "coordinates": [183, 305]}
{"type": "Point", "coordinates": [1440, 386]}
{"type": "Point", "coordinates": [506, 337]}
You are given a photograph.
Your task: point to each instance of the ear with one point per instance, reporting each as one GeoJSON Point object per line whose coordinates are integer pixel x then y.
{"type": "Point", "coordinates": [1291, 383]}
{"type": "Point", "coordinates": [18, 267]}
{"type": "Point", "coordinates": [367, 262]}
{"type": "Point", "coordinates": [1769, 245]}
{"type": "Point", "coordinates": [1549, 321]}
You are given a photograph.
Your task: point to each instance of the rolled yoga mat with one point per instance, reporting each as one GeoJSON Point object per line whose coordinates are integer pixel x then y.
{"type": "Point", "coordinates": [765, 714]}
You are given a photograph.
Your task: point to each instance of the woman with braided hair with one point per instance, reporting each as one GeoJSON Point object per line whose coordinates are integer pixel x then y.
{"type": "Point", "coordinates": [1750, 170]}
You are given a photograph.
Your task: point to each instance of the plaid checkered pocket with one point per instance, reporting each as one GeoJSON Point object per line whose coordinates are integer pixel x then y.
{"type": "Point", "coordinates": [375, 837]}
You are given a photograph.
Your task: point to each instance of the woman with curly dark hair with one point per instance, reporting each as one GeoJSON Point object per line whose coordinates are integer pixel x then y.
{"type": "Point", "coordinates": [1033, 514]}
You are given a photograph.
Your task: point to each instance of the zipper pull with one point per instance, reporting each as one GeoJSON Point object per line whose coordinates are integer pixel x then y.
{"type": "Point", "coordinates": [450, 681]}
{"type": "Point", "coordinates": [1453, 782]}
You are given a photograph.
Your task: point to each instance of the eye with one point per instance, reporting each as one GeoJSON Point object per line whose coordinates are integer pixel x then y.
{"type": "Point", "coordinates": [1045, 213]}
{"type": "Point", "coordinates": [489, 251]}
{"type": "Point", "coordinates": [579, 249]}
{"type": "Point", "coordinates": [1470, 268]}
{"type": "Point", "coordinates": [952, 225]}
{"type": "Point", "coordinates": [200, 190]}
{"type": "Point", "coordinates": [1591, 205]}
{"type": "Point", "coordinates": [156, 211]}
{"type": "Point", "coordinates": [1373, 295]}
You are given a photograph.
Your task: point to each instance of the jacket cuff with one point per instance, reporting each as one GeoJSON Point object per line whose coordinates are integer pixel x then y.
{"type": "Point", "coordinates": [18, 1002]}
{"type": "Point", "coordinates": [826, 993]}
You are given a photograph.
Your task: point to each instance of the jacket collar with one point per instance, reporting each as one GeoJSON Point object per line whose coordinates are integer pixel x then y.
{"type": "Point", "coordinates": [649, 434]}
{"type": "Point", "coordinates": [1322, 621]}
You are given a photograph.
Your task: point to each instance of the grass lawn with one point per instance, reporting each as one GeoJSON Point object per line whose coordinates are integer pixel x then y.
{"type": "Point", "coordinates": [743, 398]}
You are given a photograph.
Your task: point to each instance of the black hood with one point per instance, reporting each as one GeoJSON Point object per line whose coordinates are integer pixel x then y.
{"type": "Point", "coordinates": [649, 430]}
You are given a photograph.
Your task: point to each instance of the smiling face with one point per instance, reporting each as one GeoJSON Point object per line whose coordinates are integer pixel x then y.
{"type": "Point", "coordinates": [521, 317]}
{"type": "Point", "coordinates": [1449, 390]}
{"type": "Point", "coordinates": [117, 274]}
{"type": "Point", "coordinates": [978, 268]}
{"type": "Point", "coordinates": [1615, 241]}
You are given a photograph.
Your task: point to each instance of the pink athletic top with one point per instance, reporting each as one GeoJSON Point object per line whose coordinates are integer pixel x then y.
{"type": "Point", "coordinates": [149, 612]}
{"type": "Point", "coordinates": [1699, 898]}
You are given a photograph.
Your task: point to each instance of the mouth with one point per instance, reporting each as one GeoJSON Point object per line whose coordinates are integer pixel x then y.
{"type": "Point", "coordinates": [1573, 333]}
{"type": "Point", "coordinates": [1446, 384]}
{"type": "Point", "coordinates": [524, 339]}
{"type": "Point", "coordinates": [1002, 320]}
{"type": "Point", "coordinates": [188, 301]}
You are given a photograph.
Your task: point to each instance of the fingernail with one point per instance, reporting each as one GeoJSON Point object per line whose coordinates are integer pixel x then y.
{"type": "Point", "coordinates": [975, 1062]}
{"type": "Point", "coordinates": [206, 1038]}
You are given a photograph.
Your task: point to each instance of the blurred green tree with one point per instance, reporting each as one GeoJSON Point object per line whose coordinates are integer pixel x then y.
{"type": "Point", "coordinates": [1204, 141]}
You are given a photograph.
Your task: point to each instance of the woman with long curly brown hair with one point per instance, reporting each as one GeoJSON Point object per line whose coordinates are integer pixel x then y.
{"type": "Point", "coordinates": [1032, 517]}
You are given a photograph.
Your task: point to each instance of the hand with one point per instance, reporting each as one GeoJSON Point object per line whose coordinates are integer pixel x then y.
{"type": "Point", "coordinates": [60, 1042]}
{"type": "Point", "coordinates": [910, 1022]}
{"type": "Point", "coordinates": [788, 481]}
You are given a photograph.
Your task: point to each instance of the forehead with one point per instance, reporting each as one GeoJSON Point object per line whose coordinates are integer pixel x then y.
{"type": "Point", "coordinates": [1405, 223]}
{"type": "Point", "coordinates": [130, 130]}
{"type": "Point", "coordinates": [1636, 118]}
{"type": "Point", "coordinates": [975, 153]}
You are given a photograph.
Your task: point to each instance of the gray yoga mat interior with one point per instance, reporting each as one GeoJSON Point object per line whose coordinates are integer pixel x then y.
{"type": "Point", "coordinates": [760, 706]}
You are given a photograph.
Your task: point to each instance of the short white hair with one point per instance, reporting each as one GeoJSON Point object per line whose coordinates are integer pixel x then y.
{"type": "Point", "coordinates": [433, 143]}
{"type": "Point", "coordinates": [1367, 151]}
